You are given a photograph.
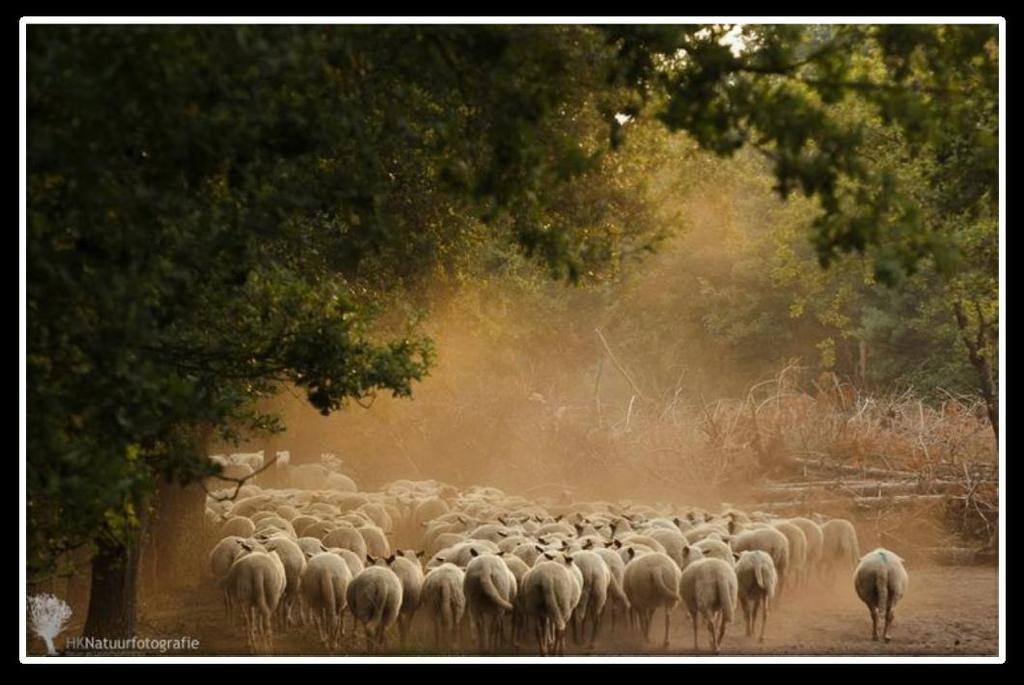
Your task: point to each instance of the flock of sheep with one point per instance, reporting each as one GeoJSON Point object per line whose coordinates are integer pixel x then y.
{"type": "Point", "coordinates": [519, 569]}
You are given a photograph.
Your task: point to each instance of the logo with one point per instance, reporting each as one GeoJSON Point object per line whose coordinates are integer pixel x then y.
{"type": "Point", "coordinates": [48, 616]}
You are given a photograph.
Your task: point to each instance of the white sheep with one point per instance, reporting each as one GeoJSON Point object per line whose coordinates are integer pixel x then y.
{"type": "Point", "coordinates": [355, 564]}
{"type": "Point", "coordinates": [410, 573]}
{"type": "Point", "coordinates": [256, 583]}
{"type": "Point", "coordinates": [547, 596]}
{"type": "Point", "coordinates": [490, 590]}
{"type": "Point", "coordinates": [881, 581]}
{"type": "Point", "coordinates": [617, 572]}
{"type": "Point", "coordinates": [324, 587]}
{"type": "Point", "coordinates": [768, 540]}
{"type": "Point", "coordinates": [714, 548]}
{"type": "Point", "coordinates": [294, 560]}
{"type": "Point", "coordinates": [238, 525]}
{"type": "Point", "coordinates": [755, 572]}
{"type": "Point", "coordinates": [709, 590]}
{"type": "Point", "coordinates": [311, 546]}
{"type": "Point", "coordinates": [377, 544]}
{"type": "Point", "coordinates": [815, 544]}
{"type": "Point", "coordinates": [651, 581]}
{"type": "Point", "coordinates": [442, 597]}
{"type": "Point", "coordinates": [797, 548]}
{"type": "Point", "coordinates": [375, 598]}
{"type": "Point", "coordinates": [347, 538]}
{"type": "Point", "coordinates": [596, 580]}
{"type": "Point", "coordinates": [840, 547]}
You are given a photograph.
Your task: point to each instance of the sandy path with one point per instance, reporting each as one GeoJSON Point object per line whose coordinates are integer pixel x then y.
{"type": "Point", "coordinates": [948, 610]}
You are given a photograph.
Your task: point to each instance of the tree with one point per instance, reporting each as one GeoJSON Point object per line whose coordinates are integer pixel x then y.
{"type": "Point", "coordinates": [230, 223]}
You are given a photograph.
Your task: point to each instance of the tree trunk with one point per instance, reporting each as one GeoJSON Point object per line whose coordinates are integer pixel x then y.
{"type": "Point", "coordinates": [174, 536]}
{"type": "Point", "coordinates": [976, 353]}
{"type": "Point", "coordinates": [112, 593]}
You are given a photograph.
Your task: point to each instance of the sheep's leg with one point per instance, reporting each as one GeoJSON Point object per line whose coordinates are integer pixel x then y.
{"type": "Point", "coordinates": [874, 624]}
{"type": "Point", "coordinates": [746, 615]}
{"type": "Point", "coordinates": [889, 616]}
{"type": "Point", "coordinates": [711, 629]}
{"type": "Point", "coordinates": [721, 626]}
{"type": "Point", "coordinates": [764, 617]}
{"type": "Point", "coordinates": [667, 619]}
{"type": "Point", "coordinates": [596, 626]}
{"type": "Point", "coordinates": [695, 647]}
{"type": "Point", "coordinates": [541, 637]}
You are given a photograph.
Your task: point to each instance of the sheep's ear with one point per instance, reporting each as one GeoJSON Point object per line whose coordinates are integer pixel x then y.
{"type": "Point", "coordinates": [399, 553]}
{"type": "Point", "coordinates": [539, 548]}
{"type": "Point", "coordinates": [370, 560]}
{"type": "Point", "coordinates": [568, 559]}
{"type": "Point", "coordinates": [390, 560]}
{"type": "Point", "coordinates": [676, 520]}
{"type": "Point", "coordinates": [473, 552]}
{"type": "Point", "coordinates": [609, 544]}
{"type": "Point", "coordinates": [548, 556]}
{"type": "Point", "coordinates": [618, 544]}
{"type": "Point", "coordinates": [502, 534]}
{"type": "Point", "coordinates": [588, 544]}
{"type": "Point", "coordinates": [421, 554]}
{"type": "Point", "coordinates": [735, 556]}
{"type": "Point", "coordinates": [632, 552]}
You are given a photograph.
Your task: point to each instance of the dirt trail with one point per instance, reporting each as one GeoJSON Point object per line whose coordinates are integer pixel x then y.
{"type": "Point", "coordinates": [947, 610]}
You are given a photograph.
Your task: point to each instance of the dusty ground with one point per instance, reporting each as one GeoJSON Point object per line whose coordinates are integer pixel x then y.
{"type": "Point", "coordinates": [807, 622]}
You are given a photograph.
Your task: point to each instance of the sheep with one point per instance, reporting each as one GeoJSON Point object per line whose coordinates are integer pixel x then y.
{"type": "Point", "coordinates": [671, 540]}
{"type": "Point", "coordinates": [840, 547]}
{"type": "Point", "coordinates": [443, 598]}
{"type": "Point", "coordinates": [755, 573]}
{"type": "Point", "coordinates": [311, 546]}
{"type": "Point", "coordinates": [294, 561]}
{"type": "Point", "coordinates": [881, 581]}
{"type": "Point", "coordinates": [547, 596]}
{"type": "Point", "coordinates": [815, 544]}
{"type": "Point", "coordinates": [324, 588]}
{"type": "Point", "coordinates": [490, 589]}
{"type": "Point", "coordinates": [797, 547]}
{"type": "Point", "coordinates": [376, 542]}
{"type": "Point", "coordinates": [596, 579]}
{"type": "Point", "coordinates": [643, 540]}
{"type": "Point", "coordinates": [256, 583]}
{"type": "Point", "coordinates": [375, 598]}
{"type": "Point", "coordinates": [355, 563]}
{"type": "Point", "coordinates": [714, 548]}
{"type": "Point", "coordinates": [769, 540]}
{"type": "Point", "coordinates": [347, 538]}
{"type": "Point", "coordinates": [238, 525]}
{"type": "Point", "coordinates": [223, 555]}
{"type": "Point", "coordinates": [410, 573]}
{"type": "Point", "coordinates": [651, 581]}
{"type": "Point", "coordinates": [709, 589]}
{"type": "Point", "coordinates": [617, 571]}
{"type": "Point", "coordinates": [444, 541]}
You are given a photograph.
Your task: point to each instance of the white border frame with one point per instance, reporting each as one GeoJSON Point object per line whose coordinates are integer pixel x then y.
{"type": "Point", "coordinates": [682, 659]}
